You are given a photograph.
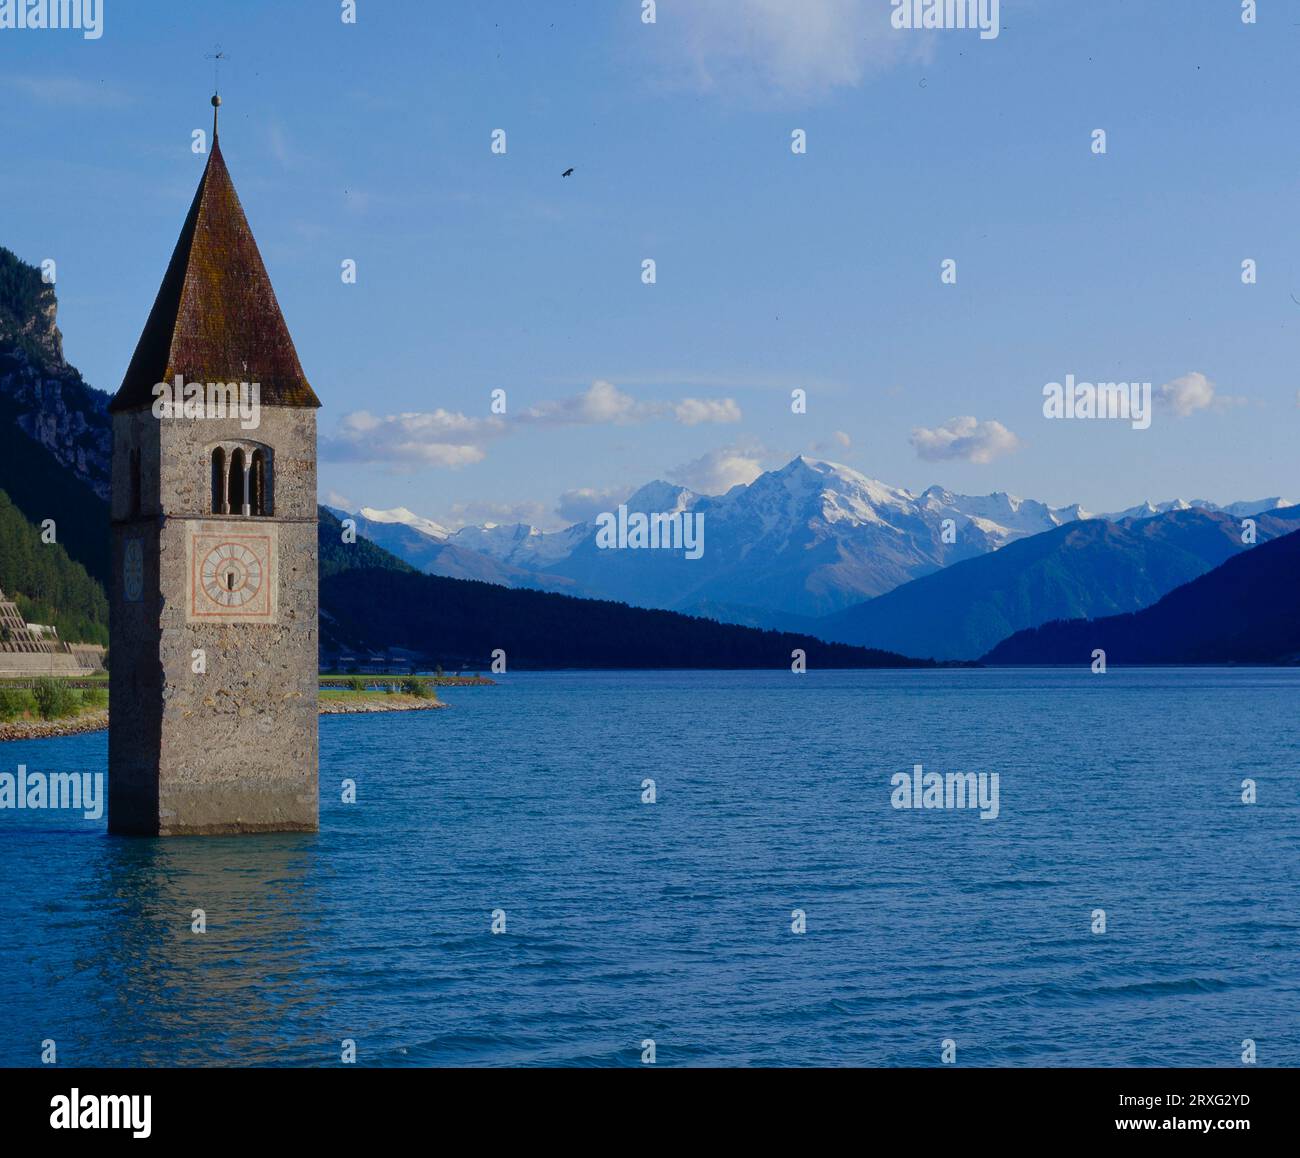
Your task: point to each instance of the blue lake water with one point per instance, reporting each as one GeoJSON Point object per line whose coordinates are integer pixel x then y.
{"type": "Point", "coordinates": [672, 921]}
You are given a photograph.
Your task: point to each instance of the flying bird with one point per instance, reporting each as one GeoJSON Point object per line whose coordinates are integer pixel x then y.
{"type": "Point", "coordinates": [567, 173]}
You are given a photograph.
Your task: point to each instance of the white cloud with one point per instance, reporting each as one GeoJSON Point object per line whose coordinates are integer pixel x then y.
{"type": "Point", "coordinates": [802, 48]}
{"type": "Point", "coordinates": [605, 403]}
{"type": "Point", "coordinates": [445, 438]}
{"type": "Point", "coordinates": [1193, 392]}
{"type": "Point", "coordinates": [838, 441]}
{"type": "Point", "coordinates": [441, 438]}
{"type": "Point", "coordinates": [964, 439]}
{"type": "Point", "coordinates": [585, 503]}
{"type": "Point", "coordinates": [1188, 394]}
{"type": "Point", "coordinates": [718, 471]}
{"type": "Point", "coordinates": [338, 501]}
{"type": "Point", "coordinates": [602, 403]}
{"type": "Point", "coordinates": [694, 411]}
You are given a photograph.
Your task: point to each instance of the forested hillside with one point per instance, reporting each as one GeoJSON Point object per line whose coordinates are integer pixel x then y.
{"type": "Point", "coordinates": [47, 585]}
{"type": "Point", "coordinates": [1244, 612]}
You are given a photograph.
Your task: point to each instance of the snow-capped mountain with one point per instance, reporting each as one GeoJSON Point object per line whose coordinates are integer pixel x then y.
{"type": "Point", "coordinates": [803, 541]}
{"type": "Point", "coordinates": [1243, 510]}
{"type": "Point", "coordinates": [806, 540]}
{"type": "Point", "coordinates": [433, 549]}
{"type": "Point", "coordinates": [1004, 517]}
{"type": "Point", "coordinates": [402, 517]}
{"type": "Point", "coordinates": [519, 544]}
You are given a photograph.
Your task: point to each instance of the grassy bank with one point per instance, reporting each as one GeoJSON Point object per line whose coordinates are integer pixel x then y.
{"type": "Point", "coordinates": [98, 680]}
{"type": "Point", "coordinates": [36, 709]}
{"type": "Point", "coordinates": [50, 699]}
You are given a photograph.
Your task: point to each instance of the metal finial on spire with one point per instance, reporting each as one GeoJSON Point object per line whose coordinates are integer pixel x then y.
{"type": "Point", "coordinates": [216, 57]}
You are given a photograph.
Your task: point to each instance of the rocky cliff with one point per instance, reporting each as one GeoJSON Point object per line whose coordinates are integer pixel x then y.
{"type": "Point", "coordinates": [40, 394]}
{"type": "Point", "coordinates": [55, 432]}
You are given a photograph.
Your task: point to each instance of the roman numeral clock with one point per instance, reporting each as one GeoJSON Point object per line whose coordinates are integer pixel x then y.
{"type": "Point", "coordinates": [231, 573]}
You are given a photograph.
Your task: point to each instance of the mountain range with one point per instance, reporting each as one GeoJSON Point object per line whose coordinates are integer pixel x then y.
{"type": "Point", "coordinates": [1085, 569]}
{"type": "Point", "coordinates": [1244, 612]}
{"type": "Point", "coordinates": [436, 551]}
{"type": "Point", "coordinates": [55, 454]}
{"type": "Point", "coordinates": [802, 541]}
{"type": "Point", "coordinates": [818, 547]}
{"type": "Point", "coordinates": [374, 603]}
{"type": "Point", "coordinates": [813, 548]}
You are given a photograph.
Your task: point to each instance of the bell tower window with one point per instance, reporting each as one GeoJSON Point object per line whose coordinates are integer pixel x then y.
{"type": "Point", "coordinates": [219, 481]}
{"type": "Point", "coordinates": [136, 484]}
{"type": "Point", "coordinates": [237, 482]}
{"type": "Point", "coordinates": [257, 484]}
{"type": "Point", "coordinates": [241, 479]}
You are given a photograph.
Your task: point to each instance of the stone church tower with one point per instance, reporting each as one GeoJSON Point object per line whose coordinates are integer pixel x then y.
{"type": "Point", "coordinates": [213, 624]}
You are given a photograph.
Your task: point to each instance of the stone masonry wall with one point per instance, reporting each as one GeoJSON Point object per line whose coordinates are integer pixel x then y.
{"type": "Point", "coordinates": [237, 743]}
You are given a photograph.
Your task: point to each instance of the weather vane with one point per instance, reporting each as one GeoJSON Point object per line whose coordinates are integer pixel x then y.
{"type": "Point", "coordinates": [216, 57]}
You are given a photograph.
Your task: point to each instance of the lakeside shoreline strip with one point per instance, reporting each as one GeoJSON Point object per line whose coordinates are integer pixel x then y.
{"type": "Point", "coordinates": [98, 721]}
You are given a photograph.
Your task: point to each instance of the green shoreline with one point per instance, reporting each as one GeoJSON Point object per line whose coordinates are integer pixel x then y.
{"type": "Point", "coordinates": [333, 703]}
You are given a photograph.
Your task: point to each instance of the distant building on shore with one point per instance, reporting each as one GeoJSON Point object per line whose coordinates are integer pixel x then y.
{"type": "Point", "coordinates": [34, 649]}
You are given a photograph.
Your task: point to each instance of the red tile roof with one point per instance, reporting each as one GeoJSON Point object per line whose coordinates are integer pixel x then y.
{"type": "Point", "coordinates": [216, 318]}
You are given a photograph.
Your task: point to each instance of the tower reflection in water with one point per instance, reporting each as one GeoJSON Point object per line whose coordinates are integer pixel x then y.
{"type": "Point", "coordinates": [246, 991]}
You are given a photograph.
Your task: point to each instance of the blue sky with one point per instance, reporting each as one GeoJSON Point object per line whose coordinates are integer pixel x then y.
{"type": "Point", "coordinates": [477, 271]}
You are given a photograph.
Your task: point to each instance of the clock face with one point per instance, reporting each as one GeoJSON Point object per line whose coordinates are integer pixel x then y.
{"type": "Point", "coordinates": [133, 570]}
{"type": "Point", "coordinates": [231, 576]}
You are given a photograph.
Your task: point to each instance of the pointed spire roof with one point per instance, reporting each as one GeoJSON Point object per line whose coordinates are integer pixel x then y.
{"type": "Point", "coordinates": [216, 318]}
